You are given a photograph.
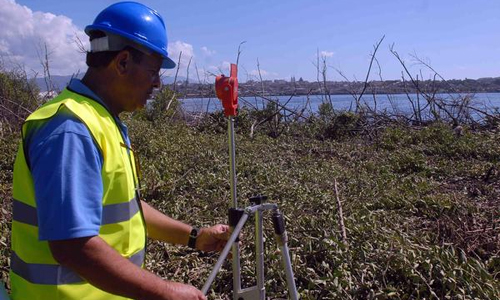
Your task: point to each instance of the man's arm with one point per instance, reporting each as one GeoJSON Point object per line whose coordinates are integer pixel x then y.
{"type": "Point", "coordinates": [93, 259]}
{"type": "Point", "coordinates": [163, 228]}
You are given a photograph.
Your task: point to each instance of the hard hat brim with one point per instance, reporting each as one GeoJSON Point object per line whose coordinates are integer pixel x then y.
{"type": "Point", "coordinates": [168, 63]}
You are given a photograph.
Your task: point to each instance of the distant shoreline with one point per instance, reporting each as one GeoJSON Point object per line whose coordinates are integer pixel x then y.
{"type": "Point", "coordinates": [304, 87]}
{"type": "Point", "coordinates": [187, 97]}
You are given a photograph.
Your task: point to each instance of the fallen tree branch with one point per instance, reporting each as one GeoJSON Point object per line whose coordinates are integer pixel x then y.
{"type": "Point", "coordinates": [340, 215]}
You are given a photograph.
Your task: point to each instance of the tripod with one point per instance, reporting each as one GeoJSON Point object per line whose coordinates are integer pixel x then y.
{"type": "Point", "coordinates": [238, 218]}
{"type": "Point", "coordinates": [227, 92]}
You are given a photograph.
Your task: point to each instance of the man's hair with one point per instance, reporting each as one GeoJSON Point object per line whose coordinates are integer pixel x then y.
{"type": "Point", "coordinates": [104, 58]}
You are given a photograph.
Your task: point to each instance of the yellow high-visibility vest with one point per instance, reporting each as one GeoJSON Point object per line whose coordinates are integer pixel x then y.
{"type": "Point", "coordinates": [35, 274]}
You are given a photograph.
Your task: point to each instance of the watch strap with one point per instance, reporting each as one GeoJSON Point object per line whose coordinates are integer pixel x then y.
{"type": "Point", "coordinates": [193, 236]}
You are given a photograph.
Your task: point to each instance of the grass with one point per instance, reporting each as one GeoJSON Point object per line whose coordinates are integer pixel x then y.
{"type": "Point", "coordinates": [420, 207]}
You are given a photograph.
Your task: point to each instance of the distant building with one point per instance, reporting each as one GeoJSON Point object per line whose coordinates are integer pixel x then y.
{"type": "Point", "coordinates": [47, 95]}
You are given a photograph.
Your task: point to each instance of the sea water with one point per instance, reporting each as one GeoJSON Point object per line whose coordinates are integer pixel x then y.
{"type": "Point", "coordinates": [392, 103]}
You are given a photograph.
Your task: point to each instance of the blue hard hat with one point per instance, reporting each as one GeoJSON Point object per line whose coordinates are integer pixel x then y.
{"type": "Point", "coordinates": [135, 23]}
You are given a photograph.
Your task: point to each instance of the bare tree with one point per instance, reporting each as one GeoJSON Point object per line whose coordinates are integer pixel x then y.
{"type": "Point", "coordinates": [358, 95]}
{"type": "Point", "coordinates": [186, 82]}
{"type": "Point", "coordinates": [44, 58]}
{"type": "Point", "coordinates": [239, 53]}
{"type": "Point", "coordinates": [454, 108]}
{"type": "Point", "coordinates": [322, 78]}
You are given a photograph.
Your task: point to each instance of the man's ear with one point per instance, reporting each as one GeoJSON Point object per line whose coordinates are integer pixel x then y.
{"type": "Point", "coordinates": [122, 62]}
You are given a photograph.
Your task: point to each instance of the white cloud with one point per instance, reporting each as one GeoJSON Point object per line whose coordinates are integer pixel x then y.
{"type": "Point", "coordinates": [326, 53]}
{"type": "Point", "coordinates": [225, 66]}
{"type": "Point", "coordinates": [174, 50]}
{"type": "Point", "coordinates": [256, 73]}
{"type": "Point", "coordinates": [207, 52]}
{"type": "Point", "coordinates": [25, 34]}
{"type": "Point", "coordinates": [222, 67]}
{"type": "Point", "coordinates": [265, 74]}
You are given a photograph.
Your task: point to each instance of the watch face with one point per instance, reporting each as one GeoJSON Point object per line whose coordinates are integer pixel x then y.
{"type": "Point", "coordinates": [194, 232]}
{"type": "Point", "coordinates": [192, 237]}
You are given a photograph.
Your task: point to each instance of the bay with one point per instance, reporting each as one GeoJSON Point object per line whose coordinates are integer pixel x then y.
{"type": "Point", "coordinates": [391, 103]}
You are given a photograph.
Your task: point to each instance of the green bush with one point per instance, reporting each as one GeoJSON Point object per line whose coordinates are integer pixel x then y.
{"type": "Point", "coordinates": [18, 97]}
{"type": "Point", "coordinates": [8, 144]}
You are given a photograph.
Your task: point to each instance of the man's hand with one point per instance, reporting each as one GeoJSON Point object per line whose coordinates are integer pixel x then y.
{"type": "Point", "coordinates": [213, 238]}
{"type": "Point", "coordinates": [177, 291]}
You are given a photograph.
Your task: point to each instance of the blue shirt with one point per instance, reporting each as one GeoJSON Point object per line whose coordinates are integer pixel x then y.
{"type": "Point", "coordinates": [66, 167]}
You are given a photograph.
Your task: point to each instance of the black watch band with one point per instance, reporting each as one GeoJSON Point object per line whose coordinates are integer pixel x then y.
{"type": "Point", "coordinates": [192, 237]}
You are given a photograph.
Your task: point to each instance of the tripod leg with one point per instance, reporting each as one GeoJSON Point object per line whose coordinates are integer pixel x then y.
{"type": "Point", "coordinates": [224, 253]}
{"type": "Point", "coordinates": [235, 215]}
{"type": "Point", "coordinates": [282, 238]}
{"type": "Point", "coordinates": [259, 253]}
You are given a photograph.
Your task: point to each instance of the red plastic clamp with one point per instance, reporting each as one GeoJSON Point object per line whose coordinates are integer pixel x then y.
{"type": "Point", "coordinates": [227, 91]}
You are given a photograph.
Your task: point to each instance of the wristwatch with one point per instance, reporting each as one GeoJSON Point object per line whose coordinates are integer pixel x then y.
{"type": "Point", "coordinates": [192, 237]}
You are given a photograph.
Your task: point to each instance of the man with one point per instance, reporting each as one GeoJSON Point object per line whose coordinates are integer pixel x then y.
{"type": "Point", "coordinates": [79, 228]}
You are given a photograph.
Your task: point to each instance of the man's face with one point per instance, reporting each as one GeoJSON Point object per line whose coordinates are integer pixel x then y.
{"type": "Point", "coordinates": [140, 82]}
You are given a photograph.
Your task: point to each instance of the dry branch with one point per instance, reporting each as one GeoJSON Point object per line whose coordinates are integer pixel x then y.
{"type": "Point", "coordinates": [340, 215]}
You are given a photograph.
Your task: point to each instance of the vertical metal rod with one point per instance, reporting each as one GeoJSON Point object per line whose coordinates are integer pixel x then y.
{"type": "Point", "coordinates": [232, 170]}
{"type": "Point", "coordinates": [232, 160]}
{"type": "Point", "coordinates": [224, 253]}
{"type": "Point", "coordinates": [259, 253]}
{"type": "Point", "coordinates": [236, 270]}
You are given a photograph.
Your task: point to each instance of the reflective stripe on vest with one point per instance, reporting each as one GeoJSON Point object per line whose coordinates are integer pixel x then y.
{"type": "Point", "coordinates": [112, 213]}
{"type": "Point", "coordinates": [55, 274]}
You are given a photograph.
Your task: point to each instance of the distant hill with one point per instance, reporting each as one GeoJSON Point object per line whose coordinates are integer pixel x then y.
{"type": "Point", "coordinates": [60, 82]}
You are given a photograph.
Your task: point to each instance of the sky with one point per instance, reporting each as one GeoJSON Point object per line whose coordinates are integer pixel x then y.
{"type": "Point", "coordinates": [458, 38]}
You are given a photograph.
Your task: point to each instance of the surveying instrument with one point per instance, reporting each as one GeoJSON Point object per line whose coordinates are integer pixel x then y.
{"type": "Point", "coordinates": [227, 92]}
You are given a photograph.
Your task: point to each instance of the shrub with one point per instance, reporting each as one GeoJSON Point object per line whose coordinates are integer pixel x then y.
{"type": "Point", "coordinates": [18, 98]}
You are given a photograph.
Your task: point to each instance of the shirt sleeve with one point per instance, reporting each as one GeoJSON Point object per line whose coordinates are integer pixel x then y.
{"type": "Point", "coordinates": [66, 168]}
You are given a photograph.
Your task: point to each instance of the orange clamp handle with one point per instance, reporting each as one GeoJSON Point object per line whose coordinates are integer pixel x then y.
{"type": "Point", "coordinates": [227, 91]}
